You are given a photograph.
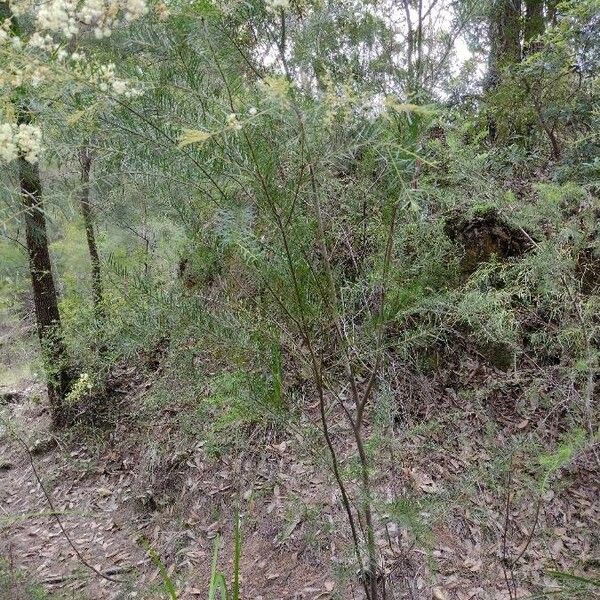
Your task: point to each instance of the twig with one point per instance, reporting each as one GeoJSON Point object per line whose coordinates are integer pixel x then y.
{"type": "Point", "coordinates": [530, 536]}
{"type": "Point", "coordinates": [57, 518]}
{"type": "Point", "coordinates": [506, 565]}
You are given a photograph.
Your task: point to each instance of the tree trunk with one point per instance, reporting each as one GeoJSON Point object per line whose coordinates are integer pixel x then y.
{"type": "Point", "coordinates": [410, 86]}
{"type": "Point", "coordinates": [534, 23]}
{"type": "Point", "coordinates": [85, 159]}
{"type": "Point", "coordinates": [44, 290]}
{"type": "Point", "coordinates": [504, 31]}
{"type": "Point", "coordinates": [551, 11]}
{"type": "Point", "coordinates": [419, 41]}
{"type": "Point", "coordinates": [505, 38]}
{"type": "Point", "coordinates": [45, 298]}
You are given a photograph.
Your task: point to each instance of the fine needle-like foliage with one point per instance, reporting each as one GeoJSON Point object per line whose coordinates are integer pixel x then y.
{"type": "Point", "coordinates": [359, 236]}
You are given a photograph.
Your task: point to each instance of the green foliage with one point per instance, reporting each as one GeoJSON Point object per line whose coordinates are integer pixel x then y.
{"type": "Point", "coordinates": [562, 456]}
{"type": "Point", "coordinates": [410, 514]}
{"type": "Point", "coordinates": [555, 88]}
{"type": "Point", "coordinates": [273, 212]}
{"type": "Point", "coordinates": [218, 581]}
{"type": "Point", "coordinates": [575, 581]}
{"type": "Point", "coordinates": [168, 585]}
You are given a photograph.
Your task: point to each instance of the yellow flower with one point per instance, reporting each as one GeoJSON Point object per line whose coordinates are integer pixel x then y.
{"type": "Point", "coordinates": [192, 136]}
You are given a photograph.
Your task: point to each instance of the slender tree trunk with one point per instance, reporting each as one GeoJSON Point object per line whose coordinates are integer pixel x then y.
{"type": "Point", "coordinates": [85, 159]}
{"type": "Point", "coordinates": [409, 50]}
{"type": "Point", "coordinates": [547, 128]}
{"type": "Point", "coordinates": [551, 11]}
{"type": "Point", "coordinates": [505, 46]}
{"type": "Point", "coordinates": [45, 297]}
{"type": "Point", "coordinates": [505, 38]}
{"type": "Point", "coordinates": [419, 64]}
{"type": "Point", "coordinates": [44, 290]}
{"type": "Point", "coordinates": [534, 23]}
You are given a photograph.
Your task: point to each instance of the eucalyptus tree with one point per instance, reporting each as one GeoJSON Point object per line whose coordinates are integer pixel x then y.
{"type": "Point", "coordinates": [535, 20]}
{"type": "Point", "coordinates": [38, 46]}
{"type": "Point", "coordinates": [21, 142]}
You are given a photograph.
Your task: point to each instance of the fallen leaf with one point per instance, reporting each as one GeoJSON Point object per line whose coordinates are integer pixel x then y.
{"type": "Point", "coordinates": [439, 594]}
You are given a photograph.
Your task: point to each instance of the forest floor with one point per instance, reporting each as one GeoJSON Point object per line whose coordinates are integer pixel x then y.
{"type": "Point", "coordinates": [461, 522]}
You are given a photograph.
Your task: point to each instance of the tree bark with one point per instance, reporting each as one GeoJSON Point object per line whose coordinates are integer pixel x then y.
{"type": "Point", "coordinates": [551, 11]}
{"type": "Point", "coordinates": [535, 23]}
{"type": "Point", "coordinates": [505, 38]}
{"type": "Point", "coordinates": [504, 30]}
{"type": "Point", "coordinates": [409, 51]}
{"type": "Point", "coordinates": [44, 290]}
{"type": "Point", "coordinates": [85, 159]}
{"type": "Point", "coordinates": [45, 297]}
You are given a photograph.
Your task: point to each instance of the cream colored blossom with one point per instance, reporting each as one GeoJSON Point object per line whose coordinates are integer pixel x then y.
{"type": "Point", "coordinates": [38, 76]}
{"type": "Point", "coordinates": [8, 146]}
{"type": "Point", "coordinates": [59, 20]}
{"type": "Point", "coordinates": [42, 42]}
{"type": "Point", "coordinates": [91, 11]}
{"type": "Point", "coordinates": [20, 7]}
{"type": "Point", "coordinates": [119, 86]}
{"type": "Point", "coordinates": [57, 16]}
{"type": "Point", "coordinates": [4, 31]}
{"type": "Point", "coordinates": [135, 9]}
{"type": "Point", "coordinates": [68, 17]}
{"type": "Point", "coordinates": [24, 139]}
{"type": "Point", "coordinates": [29, 141]}
{"type": "Point", "coordinates": [275, 5]}
{"type": "Point", "coordinates": [233, 123]}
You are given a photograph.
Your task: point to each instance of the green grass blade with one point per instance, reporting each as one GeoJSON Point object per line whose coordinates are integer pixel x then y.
{"type": "Point", "coordinates": [212, 588]}
{"type": "Point", "coordinates": [168, 584]}
{"type": "Point", "coordinates": [563, 576]}
{"type": "Point", "coordinates": [237, 555]}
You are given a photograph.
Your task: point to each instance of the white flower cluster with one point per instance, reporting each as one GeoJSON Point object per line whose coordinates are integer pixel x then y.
{"type": "Point", "coordinates": [106, 79]}
{"type": "Point", "coordinates": [6, 36]}
{"type": "Point", "coordinates": [276, 5]}
{"type": "Point", "coordinates": [8, 146]}
{"type": "Point", "coordinates": [58, 16]}
{"type": "Point", "coordinates": [29, 141]}
{"type": "Point", "coordinates": [23, 139]}
{"type": "Point", "coordinates": [42, 42]}
{"type": "Point", "coordinates": [36, 73]}
{"type": "Point", "coordinates": [19, 7]}
{"type": "Point", "coordinates": [66, 17]}
{"type": "Point", "coordinates": [32, 73]}
{"type": "Point", "coordinates": [4, 31]}
{"type": "Point", "coordinates": [233, 123]}
{"type": "Point", "coordinates": [80, 388]}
